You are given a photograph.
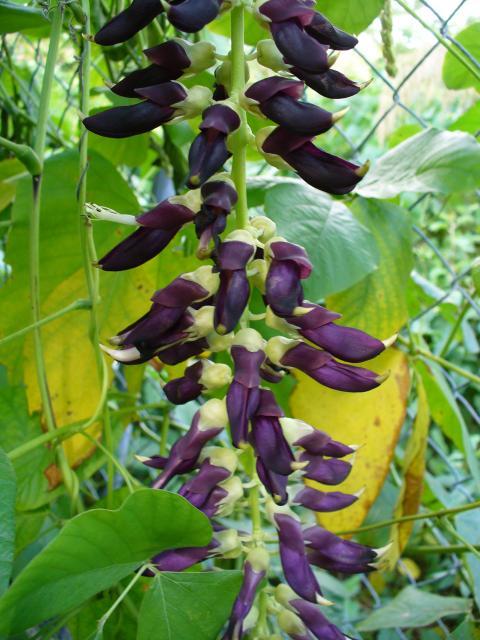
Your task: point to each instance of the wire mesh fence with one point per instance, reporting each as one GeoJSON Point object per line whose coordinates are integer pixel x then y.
{"type": "Point", "coordinates": [435, 22]}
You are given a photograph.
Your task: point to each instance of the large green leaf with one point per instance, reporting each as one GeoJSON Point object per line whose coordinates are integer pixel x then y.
{"type": "Point", "coordinates": [468, 526]}
{"type": "Point", "coordinates": [15, 17]}
{"type": "Point", "coordinates": [16, 428]}
{"type": "Point", "coordinates": [413, 608]}
{"type": "Point", "coordinates": [351, 15]}
{"type": "Point", "coordinates": [7, 519]}
{"type": "Point", "coordinates": [455, 74]}
{"type": "Point", "coordinates": [468, 121]}
{"type": "Point", "coordinates": [378, 304]}
{"type": "Point", "coordinates": [431, 161]}
{"type": "Point", "coordinates": [341, 249]}
{"type": "Point", "coordinates": [181, 606]}
{"type": "Point", "coordinates": [95, 550]}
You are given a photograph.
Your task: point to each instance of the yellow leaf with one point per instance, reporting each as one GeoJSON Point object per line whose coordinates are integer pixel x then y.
{"type": "Point", "coordinates": [371, 419]}
{"type": "Point", "coordinates": [411, 491]}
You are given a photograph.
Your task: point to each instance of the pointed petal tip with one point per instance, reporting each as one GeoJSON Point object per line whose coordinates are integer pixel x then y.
{"type": "Point", "coordinates": [363, 170]}
{"type": "Point", "coordinates": [333, 57]}
{"type": "Point", "coordinates": [122, 355]}
{"type": "Point", "coordinates": [358, 494]}
{"type": "Point", "coordinates": [323, 601]}
{"type": "Point", "coordinates": [382, 551]}
{"type": "Point", "coordinates": [382, 377]}
{"type": "Point", "coordinates": [88, 37]}
{"type": "Point", "coordinates": [339, 114]}
{"type": "Point", "coordinates": [141, 458]}
{"type": "Point", "coordinates": [364, 85]}
{"type": "Point", "coordinates": [390, 341]}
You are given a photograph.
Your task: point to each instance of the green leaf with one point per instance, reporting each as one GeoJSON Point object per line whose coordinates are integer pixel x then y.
{"type": "Point", "coordinates": [95, 550]}
{"type": "Point", "coordinates": [15, 17]}
{"type": "Point", "coordinates": [378, 303]}
{"type": "Point", "coordinates": [468, 526]}
{"type": "Point", "coordinates": [350, 15]}
{"type": "Point", "coordinates": [181, 606]}
{"type": "Point", "coordinates": [467, 630]}
{"type": "Point", "coordinates": [7, 519]}
{"type": "Point", "coordinates": [431, 161]}
{"type": "Point", "coordinates": [16, 428]}
{"type": "Point", "coordinates": [455, 74]}
{"type": "Point", "coordinates": [468, 121]}
{"type": "Point", "coordinates": [413, 608]}
{"type": "Point", "coordinates": [446, 413]}
{"type": "Point", "coordinates": [131, 152]}
{"type": "Point", "coordinates": [341, 249]}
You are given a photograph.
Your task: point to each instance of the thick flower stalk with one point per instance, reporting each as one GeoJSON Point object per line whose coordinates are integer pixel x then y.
{"type": "Point", "coordinates": [200, 314]}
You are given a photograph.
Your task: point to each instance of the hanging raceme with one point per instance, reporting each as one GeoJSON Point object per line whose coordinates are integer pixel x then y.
{"type": "Point", "coordinates": [206, 311]}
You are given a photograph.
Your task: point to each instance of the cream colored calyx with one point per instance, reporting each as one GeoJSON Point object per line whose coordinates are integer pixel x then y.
{"type": "Point", "coordinates": [215, 375]}
{"type": "Point", "coordinates": [205, 277]}
{"type": "Point", "coordinates": [277, 347]}
{"type": "Point", "coordinates": [213, 414]}
{"type": "Point", "coordinates": [250, 339]}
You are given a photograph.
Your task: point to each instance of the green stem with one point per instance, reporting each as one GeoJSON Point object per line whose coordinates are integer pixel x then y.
{"type": "Point", "coordinates": [416, 516]}
{"type": "Point", "coordinates": [88, 248]}
{"type": "Point", "coordinates": [451, 529]}
{"type": "Point", "coordinates": [443, 41]}
{"type": "Point", "coordinates": [453, 331]}
{"type": "Point", "coordinates": [74, 306]}
{"type": "Point", "coordinates": [240, 137]}
{"type": "Point", "coordinates": [164, 433]}
{"type": "Point", "coordinates": [441, 361]}
{"type": "Point", "coordinates": [68, 475]}
{"type": "Point", "coordinates": [439, 548]}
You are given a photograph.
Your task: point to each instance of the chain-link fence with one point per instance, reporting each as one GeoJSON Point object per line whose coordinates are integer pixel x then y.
{"type": "Point", "coordinates": [432, 25]}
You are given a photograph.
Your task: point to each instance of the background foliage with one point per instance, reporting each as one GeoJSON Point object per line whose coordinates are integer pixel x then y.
{"type": "Point", "coordinates": [397, 256]}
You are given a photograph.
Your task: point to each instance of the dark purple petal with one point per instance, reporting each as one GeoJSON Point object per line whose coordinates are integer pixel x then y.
{"type": "Point", "coordinates": [191, 16]}
{"type": "Point", "coordinates": [182, 390]}
{"type": "Point", "coordinates": [331, 84]}
{"type": "Point", "coordinates": [324, 31]}
{"type": "Point", "coordinates": [316, 622]}
{"type": "Point", "coordinates": [270, 87]}
{"type": "Point", "coordinates": [180, 559]}
{"type": "Point", "coordinates": [181, 352]}
{"type": "Point", "coordinates": [274, 483]}
{"type": "Point", "coordinates": [181, 292]}
{"type": "Point", "coordinates": [147, 329]}
{"type": "Point", "coordinates": [329, 471]}
{"type": "Point", "coordinates": [164, 94]}
{"type": "Point", "coordinates": [317, 317]}
{"type": "Point", "coordinates": [302, 117]}
{"type": "Point", "coordinates": [283, 289]}
{"type": "Point", "coordinates": [347, 551]}
{"type": "Point", "coordinates": [280, 10]}
{"type": "Point", "coordinates": [231, 299]}
{"type": "Point", "coordinates": [270, 445]}
{"type": "Point", "coordinates": [289, 252]}
{"type": "Point", "coordinates": [152, 74]}
{"type": "Point", "coordinates": [294, 560]}
{"type": "Point", "coordinates": [220, 118]}
{"type": "Point", "coordinates": [344, 377]}
{"type": "Point", "coordinates": [139, 247]}
{"type": "Point", "coordinates": [122, 122]}
{"type": "Point", "coordinates": [208, 153]}
{"type": "Point", "coordinates": [247, 364]}
{"type": "Point", "coordinates": [242, 403]}
{"type": "Point", "coordinates": [166, 215]}
{"type": "Point", "coordinates": [306, 358]}
{"type": "Point", "coordinates": [282, 141]}
{"type": "Point", "coordinates": [332, 564]}
{"type": "Point", "coordinates": [155, 462]}
{"type": "Point", "coordinates": [324, 501]}
{"type": "Point", "coordinates": [345, 343]}
{"type": "Point", "coordinates": [168, 55]}
{"type": "Point", "coordinates": [198, 489]}
{"type": "Point", "coordinates": [298, 48]}
{"type": "Point", "coordinates": [271, 373]}
{"type": "Point", "coordinates": [212, 504]}
{"type": "Point", "coordinates": [127, 23]}
{"type": "Point", "coordinates": [323, 170]}
{"type": "Point", "coordinates": [234, 255]}
{"type": "Point", "coordinates": [219, 194]}
{"type": "Point", "coordinates": [320, 443]}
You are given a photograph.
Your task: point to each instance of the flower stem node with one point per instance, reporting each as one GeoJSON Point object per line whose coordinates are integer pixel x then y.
{"type": "Point", "coordinates": [229, 544]}
{"type": "Point", "coordinates": [234, 490]}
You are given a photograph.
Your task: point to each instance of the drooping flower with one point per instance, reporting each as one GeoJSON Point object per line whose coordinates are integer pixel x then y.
{"type": "Point", "coordinates": [321, 366]}
{"type": "Point", "coordinates": [170, 60]}
{"type": "Point", "coordinates": [208, 152]}
{"type": "Point", "coordinates": [218, 199]}
{"type": "Point", "coordinates": [202, 376]}
{"type": "Point", "coordinates": [191, 16]}
{"type": "Point", "coordinates": [278, 98]}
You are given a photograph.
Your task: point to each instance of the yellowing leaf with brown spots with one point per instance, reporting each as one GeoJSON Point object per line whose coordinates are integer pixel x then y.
{"type": "Point", "coordinates": [413, 473]}
{"type": "Point", "coordinates": [372, 419]}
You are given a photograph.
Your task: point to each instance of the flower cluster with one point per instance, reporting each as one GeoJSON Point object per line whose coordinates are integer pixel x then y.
{"type": "Point", "coordinates": [204, 312]}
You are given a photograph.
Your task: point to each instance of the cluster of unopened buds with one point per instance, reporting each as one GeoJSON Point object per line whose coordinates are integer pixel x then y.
{"type": "Point", "coordinates": [205, 312]}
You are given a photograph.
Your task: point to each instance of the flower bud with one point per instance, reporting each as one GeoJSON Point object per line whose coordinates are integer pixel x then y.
{"type": "Point", "coordinates": [324, 501]}
{"type": "Point", "coordinates": [265, 227]}
{"type": "Point", "coordinates": [127, 23]}
{"type": "Point", "coordinates": [213, 415]}
{"type": "Point", "coordinates": [192, 16]}
{"type": "Point", "coordinates": [330, 84]}
{"type": "Point", "coordinates": [198, 377]}
{"type": "Point", "coordinates": [269, 56]}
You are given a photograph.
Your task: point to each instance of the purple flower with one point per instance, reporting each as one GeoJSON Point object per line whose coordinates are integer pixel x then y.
{"type": "Point", "coordinates": [255, 569]}
{"type": "Point", "coordinates": [127, 23]}
{"type": "Point", "coordinates": [330, 84]}
{"type": "Point", "coordinates": [275, 484]}
{"type": "Point", "coordinates": [278, 99]}
{"type": "Point", "coordinates": [321, 366]}
{"type": "Point", "coordinates": [208, 152]}
{"type": "Point", "coordinates": [318, 168]}
{"type": "Point", "coordinates": [231, 259]}
{"type": "Point", "coordinates": [170, 60]}
{"type": "Point", "coordinates": [314, 441]}
{"type": "Point", "coordinates": [157, 228]}
{"type": "Point", "coordinates": [328, 551]}
{"type": "Point", "coordinates": [330, 471]}
{"type": "Point", "coordinates": [207, 423]}
{"type": "Point", "coordinates": [316, 324]}
{"type": "Point", "coordinates": [191, 16]}
{"type": "Point", "coordinates": [295, 564]}
{"type": "Point", "coordinates": [170, 319]}
{"type": "Point", "coordinates": [292, 625]}
{"type": "Point", "coordinates": [199, 377]}
{"type": "Point", "coordinates": [162, 104]}
{"type": "Point", "coordinates": [218, 198]}
{"type": "Point", "coordinates": [267, 436]}
{"type": "Point", "coordinates": [324, 501]}
{"type": "Point", "coordinates": [244, 394]}
{"type": "Point", "coordinates": [324, 32]}
{"type": "Point", "coordinates": [288, 265]}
